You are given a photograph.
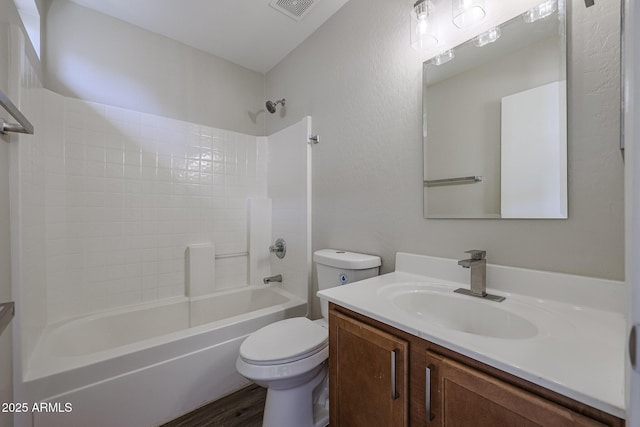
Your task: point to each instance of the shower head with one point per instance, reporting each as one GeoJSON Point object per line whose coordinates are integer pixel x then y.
{"type": "Point", "coordinates": [271, 106]}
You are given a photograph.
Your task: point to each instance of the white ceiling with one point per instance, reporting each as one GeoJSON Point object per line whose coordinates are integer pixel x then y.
{"type": "Point", "coordinates": [247, 32]}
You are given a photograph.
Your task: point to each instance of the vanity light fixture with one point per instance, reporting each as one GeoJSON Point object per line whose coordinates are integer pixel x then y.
{"type": "Point", "coordinates": [444, 57]}
{"type": "Point", "coordinates": [487, 37]}
{"type": "Point", "coordinates": [468, 12]}
{"type": "Point", "coordinates": [423, 31]}
{"type": "Point", "coordinates": [540, 11]}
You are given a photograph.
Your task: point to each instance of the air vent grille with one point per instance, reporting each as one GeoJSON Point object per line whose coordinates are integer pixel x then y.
{"type": "Point", "coordinates": [294, 9]}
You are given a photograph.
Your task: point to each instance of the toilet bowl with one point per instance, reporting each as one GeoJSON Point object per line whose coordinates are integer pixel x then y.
{"type": "Point", "coordinates": [289, 357]}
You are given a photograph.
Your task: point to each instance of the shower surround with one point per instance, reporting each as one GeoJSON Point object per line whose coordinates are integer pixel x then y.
{"type": "Point", "coordinates": [108, 200]}
{"type": "Point", "coordinates": [127, 192]}
{"type": "Point", "coordinates": [105, 201]}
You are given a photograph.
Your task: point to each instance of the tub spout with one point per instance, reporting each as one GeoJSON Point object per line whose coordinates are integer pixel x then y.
{"type": "Point", "coordinates": [277, 278]}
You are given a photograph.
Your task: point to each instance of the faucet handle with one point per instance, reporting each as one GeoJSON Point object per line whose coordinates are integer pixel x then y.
{"type": "Point", "coordinates": [476, 253]}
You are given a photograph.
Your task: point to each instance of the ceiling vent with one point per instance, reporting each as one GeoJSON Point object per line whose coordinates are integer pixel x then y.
{"type": "Point", "coordinates": [294, 9]}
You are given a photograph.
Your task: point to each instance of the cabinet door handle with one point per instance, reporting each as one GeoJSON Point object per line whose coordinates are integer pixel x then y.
{"type": "Point", "coordinates": [634, 347]}
{"type": "Point", "coordinates": [394, 395]}
{"type": "Point", "coordinates": [427, 394]}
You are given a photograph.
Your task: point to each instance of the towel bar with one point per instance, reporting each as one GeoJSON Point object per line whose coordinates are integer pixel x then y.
{"type": "Point", "coordinates": [461, 180]}
{"type": "Point", "coordinates": [23, 125]}
{"type": "Point", "coordinates": [6, 314]}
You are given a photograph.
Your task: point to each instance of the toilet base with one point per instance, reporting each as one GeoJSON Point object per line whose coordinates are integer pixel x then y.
{"type": "Point", "coordinates": [296, 407]}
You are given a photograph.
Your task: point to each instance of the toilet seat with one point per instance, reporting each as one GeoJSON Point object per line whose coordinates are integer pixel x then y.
{"type": "Point", "coordinates": [283, 342]}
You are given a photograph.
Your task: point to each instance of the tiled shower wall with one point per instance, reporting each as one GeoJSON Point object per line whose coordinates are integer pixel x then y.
{"type": "Point", "coordinates": [127, 192]}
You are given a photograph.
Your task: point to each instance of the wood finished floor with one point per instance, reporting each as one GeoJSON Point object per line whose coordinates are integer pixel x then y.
{"type": "Point", "coordinates": [243, 408]}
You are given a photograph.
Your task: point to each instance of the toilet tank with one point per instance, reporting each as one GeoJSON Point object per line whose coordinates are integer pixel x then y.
{"type": "Point", "coordinates": [335, 268]}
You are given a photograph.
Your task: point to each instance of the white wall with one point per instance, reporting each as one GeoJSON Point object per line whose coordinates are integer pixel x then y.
{"type": "Point", "coordinates": [360, 80]}
{"type": "Point", "coordinates": [28, 213]}
{"type": "Point", "coordinates": [128, 188]}
{"type": "Point", "coordinates": [6, 392]}
{"type": "Point", "coordinates": [19, 74]}
{"type": "Point", "coordinates": [21, 207]}
{"type": "Point", "coordinates": [6, 384]}
{"type": "Point", "coordinates": [632, 195]}
{"type": "Point", "coordinates": [127, 192]}
{"type": "Point", "coordinates": [98, 58]}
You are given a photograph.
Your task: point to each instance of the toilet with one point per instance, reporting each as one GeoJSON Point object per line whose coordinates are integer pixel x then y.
{"type": "Point", "coordinates": [289, 357]}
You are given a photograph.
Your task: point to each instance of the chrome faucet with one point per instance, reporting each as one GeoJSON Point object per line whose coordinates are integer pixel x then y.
{"type": "Point", "coordinates": [276, 278]}
{"type": "Point", "coordinates": [478, 266]}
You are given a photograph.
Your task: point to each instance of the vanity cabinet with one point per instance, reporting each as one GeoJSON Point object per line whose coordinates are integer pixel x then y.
{"type": "Point", "coordinates": [463, 396]}
{"type": "Point", "coordinates": [368, 375]}
{"type": "Point", "coordinates": [434, 386]}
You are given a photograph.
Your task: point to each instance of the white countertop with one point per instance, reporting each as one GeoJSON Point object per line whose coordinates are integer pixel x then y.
{"type": "Point", "coordinates": [578, 351]}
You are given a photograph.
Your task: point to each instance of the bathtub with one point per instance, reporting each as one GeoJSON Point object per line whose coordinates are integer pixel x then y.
{"type": "Point", "coordinates": [148, 364]}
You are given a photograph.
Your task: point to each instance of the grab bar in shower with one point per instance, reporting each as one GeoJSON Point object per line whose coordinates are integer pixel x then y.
{"type": "Point", "coordinates": [461, 180]}
{"type": "Point", "coordinates": [23, 125]}
{"type": "Point", "coordinates": [232, 255]}
{"type": "Point", "coordinates": [6, 314]}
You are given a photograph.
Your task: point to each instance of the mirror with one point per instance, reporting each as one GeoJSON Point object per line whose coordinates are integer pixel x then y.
{"type": "Point", "coordinates": [495, 125]}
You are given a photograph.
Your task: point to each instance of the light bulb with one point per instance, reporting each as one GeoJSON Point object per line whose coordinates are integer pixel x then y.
{"type": "Point", "coordinates": [423, 34]}
{"type": "Point", "coordinates": [487, 37]}
{"type": "Point", "coordinates": [444, 57]}
{"type": "Point", "coordinates": [467, 12]}
{"type": "Point", "coordinates": [540, 11]}
{"type": "Point", "coordinates": [421, 28]}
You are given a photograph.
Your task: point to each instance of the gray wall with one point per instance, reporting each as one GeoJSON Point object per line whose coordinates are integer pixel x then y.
{"type": "Point", "coordinates": [8, 16]}
{"type": "Point", "coordinates": [5, 257]}
{"type": "Point", "coordinates": [94, 57]}
{"type": "Point", "coordinates": [464, 126]}
{"type": "Point", "coordinates": [6, 384]}
{"type": "Point", "coordinates": [362, 85]}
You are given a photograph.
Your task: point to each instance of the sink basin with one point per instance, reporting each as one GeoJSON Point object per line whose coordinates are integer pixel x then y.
{"type": "Point", "coordinates": [461, 313]}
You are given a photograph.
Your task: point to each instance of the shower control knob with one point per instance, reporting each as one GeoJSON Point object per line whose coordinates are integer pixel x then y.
{"type": "Point", "coordinates": [279, 248]}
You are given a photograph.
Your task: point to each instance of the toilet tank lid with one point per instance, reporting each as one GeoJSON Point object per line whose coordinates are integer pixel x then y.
{"type": "Point", "coordinates": [343, 259]}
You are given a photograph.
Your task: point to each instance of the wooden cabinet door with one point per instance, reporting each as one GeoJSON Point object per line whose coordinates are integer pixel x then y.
{"type": "Point", "coordinates": [461, 396]}
{"type": "Point", "coordinates": [367, 375]}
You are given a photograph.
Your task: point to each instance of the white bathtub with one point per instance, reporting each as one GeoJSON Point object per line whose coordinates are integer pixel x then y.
{"type": "Point", "coordinates": [146, 365]}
